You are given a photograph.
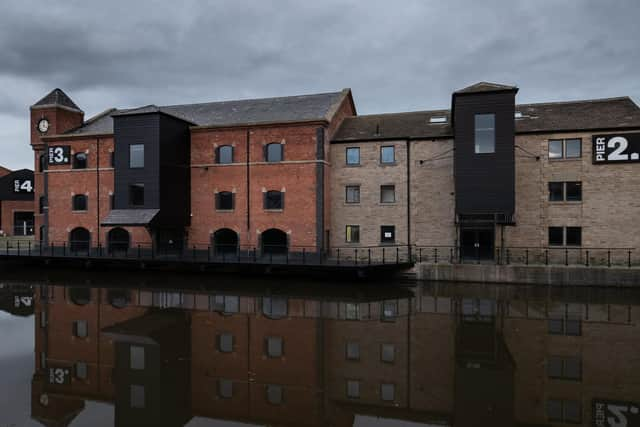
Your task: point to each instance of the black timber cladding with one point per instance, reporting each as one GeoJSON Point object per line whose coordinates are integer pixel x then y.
{"type": "Point", "coordinates": [165, 174]}
{"type": "Point", "coordinates": [484, 183]}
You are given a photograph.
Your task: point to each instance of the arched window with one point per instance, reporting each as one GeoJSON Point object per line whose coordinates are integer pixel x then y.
{"type": "Point", "coordinates": [224, 154]}
{"type": "Point", "coordinates": [274, 200]}
{"type": "Point", "coordinates": [80, 295]}
{"type": "Point", "coordinates": [274, 152]}
{"type": "Point", "coordinates": [274, 241]}
{"type": "Point", "coordinates": [79, 202]}
{"type": "Point", "coordinates": [119, 298]}
{"type": "Point", "coordinates": [225, 201]}
{"type": "Point", "coordinates": [79, 240]}
{"type": "Point", "coordinates": [80, 161]}
{"type": "Point", "coordinates": [225, 241]}
{"type": "Point", "coordinates": [118, 240]}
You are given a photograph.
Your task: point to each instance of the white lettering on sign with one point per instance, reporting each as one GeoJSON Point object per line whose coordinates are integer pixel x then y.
{"type": "Point", "coordinates": [58, 375]}
{"type": "Point", "coordinates": [620, 144]}
{"type": "Point", "coordinates": [25, 186]}
{"type": "Point", "coordinates": [600, 149]}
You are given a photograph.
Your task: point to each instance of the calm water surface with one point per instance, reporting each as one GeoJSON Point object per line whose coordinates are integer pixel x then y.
{"type": "Point", "coordinates": [104, 349]}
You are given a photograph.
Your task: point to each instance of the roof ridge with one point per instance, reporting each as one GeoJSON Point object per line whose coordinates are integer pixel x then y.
{"type": "Point", "coordinates": [447, 111]}
{"type": "Point", "coordinates": [578, 101]}
{"type": "Point", "coordinates": [254, 99]}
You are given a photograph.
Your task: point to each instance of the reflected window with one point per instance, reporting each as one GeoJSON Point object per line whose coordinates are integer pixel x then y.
{"type": "Point", "coordinates": [353, 350]}
{"type": "Point", "coordinates": [136, 195]}
{"type": "Point", "coordinates": [388, 353]}
{"type": "Point", "coordinates": [556, 191]}
{"type": "Point", "coordinates": [387, 194]}
{"type": "Point", "coordinates": [43, 319]}
{"type": "Point", "coordinates": [136, 358]}
{"type": "Point", "coordinates": [389, 310]}
{"type": "Point", "coordinates": [353, 389]}
{"type": "Point", "coordinates": [81, 370]}
{"type": "Point", "coordinates": [224, 303]}
{"type": "Point", "coordinates": [118, 298]}
{"type": "Point", "coordinates": [80, 296]}
{"type": "Point", "coordinates": [225, 343]}
{"type": "Point", "coordinates": [564, 411]}
{"type": "Point", "coordinates": [274, 347]}
{"type": "Point", "coordinates": [167, 299]}
{"type": "Point", "coordinates": [225, 201]}
{"type": "Point", "coordinates": [274, 200]}
{"type": "Point", "coordinates": [563, 367]}
{"type": "Point", "coordinates": [225, 389]}
{"type": "Point", "coordinates": [274, 394]}
{"type": "Point", "coordinates": [574, 191]}
{"type": "Point", "coordinates": [80, 328]}
{"type": "Point", "coordinates": [352, 311]}
{"type": "Point", "coordinates": [352, 194]}
{"type": "Point", "coordinates": [137, 396]}
{"type": "Point", "coordinates": [274, 306]}
{"type": "Point", "coordinates": [387, 392]}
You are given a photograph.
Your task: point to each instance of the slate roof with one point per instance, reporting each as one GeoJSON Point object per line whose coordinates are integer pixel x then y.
{"type": "Point", "coordinates": [232, 113]}
{"type": "Point", "coordinates": [57, 97]}
{"type": "Point", "coordinates": [485, 87]}
{"type": "Point", "coordinates": [609, 113]}
{"type": "Point", "coordinates": [130, 216]}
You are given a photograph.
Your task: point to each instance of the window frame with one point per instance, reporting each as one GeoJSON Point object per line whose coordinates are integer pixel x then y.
{"type": "Point", "coordinates": [75, 163]}
{"type": "Point", "coordinates": [346, 154]}
{"type": "Point", "coordinates": [266, 200]}
{"type": "Point", "coordinates": [578, 194]}
{"type": "Point", "coordinates": [221, 340]}
{"type": "Point", "coordinates": [76, 198]}
{"type": "Point", "coordinates": [346, 194]}
{"type": "Point", "coordinates": [489, 131]}
{"type": "Point", "coordinates": [349, 233]}
{"type": "Point", "coordinates": [219, 199]}
{"type": "Point", "coordinates": [388, 187]}
{"type": "Point", "coordinates": [560, 186]}
{"type": "Point", "coordinates": [357, 383]}
{"type": "Point", "coordinates": [391, 239]}
{"type": "Point", "coordinates": [131, 156]}
{"type": "Point", "coordinates": [393, 152]}
{"type": "Point", "coordinates": [563, 148]}
{"type": "Point", "coordinates": [219, 156]}
{"type": "Point", "coordinates": [131, 195]}
{"type": "Point", "coordinates": [349, 355]}
{"type": "Point", "coordinates": [267, 152]}
{"type": "Point", "coordinates": [276, 354]}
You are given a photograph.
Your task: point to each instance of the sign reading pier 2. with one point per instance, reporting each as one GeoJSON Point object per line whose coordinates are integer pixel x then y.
{"type": "Point", "coordinates": [616, 148]}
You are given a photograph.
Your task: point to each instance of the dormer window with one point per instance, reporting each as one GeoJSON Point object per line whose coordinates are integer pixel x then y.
{"type": "Point", "coordinates": [517, 115]}
{"type": "Point", "coordinates": [485, 133]}
{"type": "Point", "coordinates": [438, 119]}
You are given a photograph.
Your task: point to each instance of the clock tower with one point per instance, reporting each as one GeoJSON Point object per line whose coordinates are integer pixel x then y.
{"type": "Point", "coordinates": [52, 115]}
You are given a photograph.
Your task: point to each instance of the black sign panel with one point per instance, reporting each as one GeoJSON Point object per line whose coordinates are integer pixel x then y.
{"type": "Point", "coordinates": [610, 413]}
{"type": "Point", "coordinates": [22, 186]}
{"type": "Point", "coordinates": [59, 376]}
{"type": "Point", "coordinates": [616, 148]}
{"type": "Point", "coordinates": [59, 155]}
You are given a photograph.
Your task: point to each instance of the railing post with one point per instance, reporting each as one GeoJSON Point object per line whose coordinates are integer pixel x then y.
{"type": "Point", "coordinates": [7, 250]}
{"type": "Point", "coordinates": [51, 246]}
{"type": "Point", "coordinates": [64, 248]}
{"type": "Point", "coordinates": [410, 253]}
{"type": "Point", "coordinates": [546, 257]}
{"type": "Point", "coordinates": [369, 256]}
{"type": "Point", "coordinates": [40, 248]}
{"type": "Point", "coordinates": [338, 254]}
{"type": "Point", "coordinates": [586, 262]}
{"type": "Point", "coordinates": [209, 253]}
{"type": "Point", "coordinates": [420, 255]}
{"type": "Point", "coordinates": [139, 253]}
{"type": "Point", "coordinates": [287, 256]}
{"type": "Point", "coordinates": [255, 255]}
{"type": "Point", "coordinates": [356, 256]}
{"type": "Point", "coordinates": [99, 249]}
{"type": "Point", "coordinates": [566, 256]}
{"type": "Point", "coordinates": [609, 258]}
{"type": "Point", "coordinates": [499, 259]}
{"type": "Point", "coordinates": [29, 248]}
{"type": "Point", "coordinates": [435, 255]}
{"type": "Point", "coordinates": [508, 257]}
{"type": "Point", "coordinates": [304, 256]}
{"type": "Point", "coordinates": [194, 252]}
{"type": "Point", "coordinates": [526, 256]}
{"type": "Point", "coordinates": [397, 255]}
{"type": "Point", "coordinates": [628, 259]}
{"type": "Point", "coordinates": [383, 255]}
{"type": "Point", "coordinates": [450, 255]}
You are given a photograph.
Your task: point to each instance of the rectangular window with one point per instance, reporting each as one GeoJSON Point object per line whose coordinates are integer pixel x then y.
{"type": "Point", "coordinates": [274, 347]}
{"type": "Point", "coordinates": [388, 353]}
{"type": "Point", "coordinates": [137, 396]}
{"type": "Point", "coordinates": [574, 191]}
{"type": "Point", "coordinates": [80, 328]}
{"type": "Point", "coordinates": [387, 194]}
{"type": "Point", "coordinates": [556, 191]}
{"type": "Point", "coordinates": [274, 394]}
{"type": "Point", "coordinates": [225, 343]}
{"type": "Point", "coordinates": [389, 310]}
{"type": "Point", "coordinates": [565, 326]}
{"type": "Point", "coordinates": [353, 350]}
{"type": "Point", "coordinates": [225, 201]}
{"type": "Point", "coordinates": [113, 159]}
{"type": "Point", "coordinates": [387, 392]}
{"type": "Point", "coordinates": [136, 195]}
{"type": "Point", "coordinates": [274, 152]}
{"type": "Point", "coordinates": [225, 389]}
{"type": "Point", "coordinates": [136, 156]}
{"type": "Point", "coordinates": [81, 370]}
{"type": "Point", "coordinates": [485, 133]}
{"type": "Point", "coordinates": [136, 358]}
{"type": "Point", "coordinates": [565, 148]}
{"type": "Point", "coordinates": [352, 234]}
{"type": "Point", "coordinates": [574, 236]}
{"type": "Point", "coordinates": [274, 307]}
{"type": "Point", "coordinates": [353, 155]}
{"type": "Point", "coordinates": [567, 236]}
{"type": "Point", "coordinates": [560, 367]}
{"type": "Point", "coordinates": [555, 149]}
{"type": "Point", "coordinates": [352, 194]}
{"type": "Point", "coordinates": [387, 234]}
{"type": "Point", "coordinates": [274, 200]}
{"type": "Point", "coordinates": [353, 389]}
{"type": "Point", "coordinates": [352, 311]}
{"type": "Point", "coordinates": [556, 236]}
{"type": "Point", "coordinates": [224, 303]}
{"type": "Point", "coordinates": [564, 411]}
{"type": "Point", "coordinates": [224, 154]}
{"type": "Point", "coordinates": [387, 155]}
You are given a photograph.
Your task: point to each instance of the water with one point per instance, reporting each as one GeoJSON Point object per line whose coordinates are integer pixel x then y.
{"type": "Point", "coordinates": [106, 349]}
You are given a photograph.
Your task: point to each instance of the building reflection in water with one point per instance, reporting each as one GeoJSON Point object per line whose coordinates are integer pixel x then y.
{"type": "Point", "coordinates": [437, 354]}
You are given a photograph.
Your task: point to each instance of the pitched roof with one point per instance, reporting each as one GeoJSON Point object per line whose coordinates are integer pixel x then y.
{"type": "Point", "coordinates": [609, 113]}
{"type": "Point", "coordinates": [232, 113]}
{"type": "Point", "coordinates": [485, 87]}
{"type": "Point", "coordinates": [59, 98]}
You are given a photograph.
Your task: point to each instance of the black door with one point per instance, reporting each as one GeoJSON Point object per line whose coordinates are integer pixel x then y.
{"type": "Point", "coordinates": [23, 223]}
{"type": "Point", "coordinates": [477, 243]}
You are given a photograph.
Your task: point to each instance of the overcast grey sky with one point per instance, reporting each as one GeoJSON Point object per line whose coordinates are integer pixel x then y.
{"type": "Point", "coordinates": [395, 55]}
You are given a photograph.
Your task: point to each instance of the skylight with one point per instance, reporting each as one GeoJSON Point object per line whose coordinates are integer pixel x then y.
{"type": "Point", "coordinates": [518, 115]}
{"type": "Point", "coordinates": [438, 119]}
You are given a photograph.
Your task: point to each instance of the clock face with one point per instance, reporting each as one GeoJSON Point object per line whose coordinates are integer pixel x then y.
{"type": "Point", "coordinates": [43, 125]}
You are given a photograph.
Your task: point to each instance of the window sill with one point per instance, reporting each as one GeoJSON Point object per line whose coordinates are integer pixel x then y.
{"type": "Point", "coordinates": [570, 159]}
{"type": "Point", "coordinates": [79, 212]}
{"type": "Point", "coordinates": [353, 166]}
{"type": "Point", "coordinates": [387, 203]}
{"type": "Point", "coordinates": [390, 243]}
{"type": "Point", "coordinates": [274, 210]}
{"type": "Point", "coordinates": [565, 202]}
{"type": "Point", "coordinates": [351, 203]}
{"type": "Point", "coordinates": [225, 210]}
{"type": "Point", "coordinates": [388, 164]}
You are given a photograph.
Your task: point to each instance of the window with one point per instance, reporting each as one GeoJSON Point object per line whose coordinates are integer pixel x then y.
{"type": "Point", "coordinates": [565, 322]}
{"type": "Point", "coordinates": [80, 369]}
{"type": "Point", "coordinates": [389, 310]}
{"type": "Point", "coordinates": [274, 152]}
{"type": "Point", "coordinates": [274, 307]}
{"type": "Point", "coordinates": [387, 155]}
{"type": "Point", "coordinates": [42, 163]}
{"type": "Point", "coordinates": [565, 148]}
{"type": "Point", "coordinates": [556, 191]}
{"type": "Point", "coordinates": [352, 311]}
{"type": "Point", "coordinates": [564, 411]}
{"type": "Point", "coordinates": [111, 201]}
{"type": "Point", "coordinates": [113, 159]}
{"type": "Point", "coordinates": [388, 353]}
{"type": "Point", "coordinates": [568, 368]}
{"type": "Point", "coordinates": [80, 328]}
{"type": "Point", "coordinates": [353, 156]}
{"type": "Point", "coordinates": [79, 202]}
{"type": "Point", "coordinates": [224, 303]}
{"type": "Point", "coordinates": [274, 200]}
{"type": "Point", "coordinates": [352, 194]}
{"type": "Point", "coordinates": [225, 343]}
{"type": "Point", "coordinates": [80, 161]}
{"type": "Point", "coordinates": [353, 389]}
{"type": "Point", "coordinates": [387, 234]}
{"type": "Point", "coordinates": [567, 236]}
{"type": "Point", "coordinates": [225, 389]}
{"type": "Point", "coordinates": [437, 119]}
{"type": "Point", "coordinates": [137, 396]}
{"type": "Point", "coordinates": [485, 133]}
{"type": "Point", "coordinates": [352, 234]}
{"type": "Point", "coordinates": [387, 392]}
{"type": "Point", "coordinates": [574, 191]}
{"type": "Point", "coordinates": [224, 154]}
{"type": "Point", "coordinates": [353, 350]}
{"type": "Point", "coordinates": [274, 394]}
{"type": "Point", "coordinates": [42, 203]}
{"type": "Point", "coordinates": [225, 201]}
{"type": "Point", "coordinates": [136, 358]}
{"type": "Point", "coordinates": [136, 195]}
{"type": "Point", "coordinates": [565, 191]}
{"type": "Point", "coordinates": [43, 319]}
{"type": "Point", "coordinates": [136, 156]}
{"type": "Point", "coordinates": [274, 346]}
{"type": "Point", "coordinates": [387, 194]}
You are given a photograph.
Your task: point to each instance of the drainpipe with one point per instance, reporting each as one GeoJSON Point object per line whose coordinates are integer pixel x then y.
{"type": "Point", "coordinates": [408, 147]}
{"type": "Point", "coordinates": [248, 177]}
{"type": "Point", "coordinates": [98, 190]}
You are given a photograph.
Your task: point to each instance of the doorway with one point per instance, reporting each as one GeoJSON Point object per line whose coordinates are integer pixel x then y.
{"type": "Point", "coordinates": [477, 243]}
{"type": "Point", "coordinates": [23, 223]}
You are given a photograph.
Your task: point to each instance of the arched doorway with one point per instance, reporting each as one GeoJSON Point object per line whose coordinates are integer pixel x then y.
{"type": "Point", "coordinates": [225, 241]}
{"type": "Point", "coordinates": [79, 240]}
{"type": "Point", "coordinates": [118, 240]}
{"type": "Point", "coordinates": [274, 241]}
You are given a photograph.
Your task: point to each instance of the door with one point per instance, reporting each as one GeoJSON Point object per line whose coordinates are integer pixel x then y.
{"type": "Point", "coordinates": [23, 223]}
{"type": "Point", "coordinates": [477, 243]}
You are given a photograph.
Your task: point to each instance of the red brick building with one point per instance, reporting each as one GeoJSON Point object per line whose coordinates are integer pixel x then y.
{"type": "Point", "coordinates": [16, 202]}
{"type": "Point", "coordinates": [230, 175]}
